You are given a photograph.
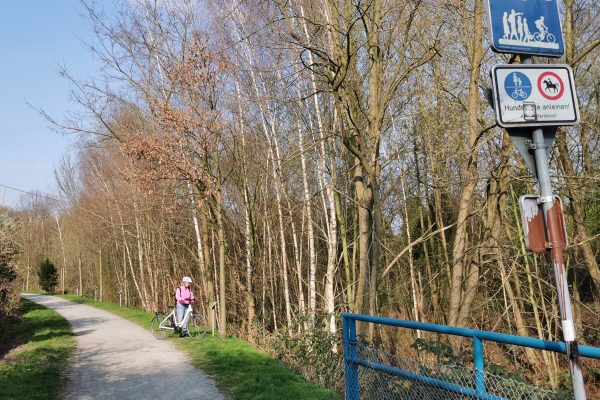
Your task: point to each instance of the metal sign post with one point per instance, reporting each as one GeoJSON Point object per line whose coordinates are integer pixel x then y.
{"type": "Point", "coordinates": [552, 215]}
{"type": "Point", "coordinates": [213, 317]}
{"type": "Point", "coordinates": [531, 102]}
{"type": "Point", "coordinates": [521, 138]}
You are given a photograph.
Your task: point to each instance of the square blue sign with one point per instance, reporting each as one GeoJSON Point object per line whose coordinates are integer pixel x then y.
{"type": "Point", "coordinates": [526, 27]}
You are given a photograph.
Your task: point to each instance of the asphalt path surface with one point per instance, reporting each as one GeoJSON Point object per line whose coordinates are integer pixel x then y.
{"type": "Point", "coordinates": [117, 359]}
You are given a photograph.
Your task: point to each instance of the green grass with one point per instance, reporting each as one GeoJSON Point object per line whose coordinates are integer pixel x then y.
{"type": "Point", "coordinates": [33, 370]}
{"type": "Point", "coordinates": [249, 373]}
{"type": "Point", "coordinates": [239, 369]}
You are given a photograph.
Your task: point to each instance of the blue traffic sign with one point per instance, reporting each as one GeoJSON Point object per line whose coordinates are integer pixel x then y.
{"type": "Point", "coordinates": [518, 85]}
{"type": "Point", "coordinates": [526, 26]}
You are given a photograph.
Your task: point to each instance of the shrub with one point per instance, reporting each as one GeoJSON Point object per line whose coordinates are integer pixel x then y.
{"type": "Point", "coordinates": [47, 275]}
{"type": "Point", "coordinates": [9, 299]}
{"type": "Point", "coordinates": [311, 352]}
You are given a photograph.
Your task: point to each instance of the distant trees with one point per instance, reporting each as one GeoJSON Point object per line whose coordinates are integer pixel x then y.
{"type": "Point", "coordinates": [47, 275]}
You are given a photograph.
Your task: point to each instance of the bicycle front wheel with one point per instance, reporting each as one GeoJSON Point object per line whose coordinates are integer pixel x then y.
{"type": "Point", "coordinates": [161, 326]}
{"type": "Point", "coordinates": [197, 326]}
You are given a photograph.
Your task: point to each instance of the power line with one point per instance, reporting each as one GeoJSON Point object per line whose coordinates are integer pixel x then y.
{"type": "Point", "coordinates": [31, 193]}
{"type": "Point", "coordinates": [53, 199]}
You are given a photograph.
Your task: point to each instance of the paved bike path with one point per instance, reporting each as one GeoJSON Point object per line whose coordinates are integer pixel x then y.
{"type": "Point", "coordinates": [117, 359]}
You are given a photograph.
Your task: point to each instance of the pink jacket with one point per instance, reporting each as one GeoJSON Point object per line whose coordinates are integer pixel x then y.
{"type": "Point", "coordinates": [182, 293]}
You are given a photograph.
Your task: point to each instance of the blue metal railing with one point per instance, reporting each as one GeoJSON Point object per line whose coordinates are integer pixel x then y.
{"type": "Point", "coordinates": [352, 360]}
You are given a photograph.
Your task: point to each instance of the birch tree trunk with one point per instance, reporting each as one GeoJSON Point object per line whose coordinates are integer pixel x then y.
{"type": "Point", "coordinates": [62, 247]}
{"type": "Point", "coordinates": [271, 136]}
{"type": "Point", "coordinates": [141, 260]}
{"type": "Point", "coordinates": [130, 259]}
{"type": "Point", "coordinates": [312, 296]}
{"type": "Point", "coordinates": [210, 281]}
{"type": "Point", "coordinates": [330, 206]}
{"type": "Point", "coordinates": [248, 234]}
{"type": "Point", "coordinates": [411, 266]}
{"type": "Point", "coordinates": [462, 293]}
{"type": "Point", "coordinates": [199, 246]}
{"type": "Point", "coordinates": [222, 277]}
{"type": "Point", "coordinates": [101, 283]}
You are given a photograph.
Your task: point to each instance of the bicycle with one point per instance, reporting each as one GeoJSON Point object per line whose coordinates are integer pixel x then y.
{"type": "Point", "coordinates": [544, 36]}
{"type": "Point", "coordinates": [518, 93]}
{"type": "Point", "coordinates": [193, 324]}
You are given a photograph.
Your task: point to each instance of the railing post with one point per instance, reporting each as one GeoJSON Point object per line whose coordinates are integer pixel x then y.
{"type": "Point", "coordinates": [351, 369]}
{"type": "Point", "coordinates": [479, 365]}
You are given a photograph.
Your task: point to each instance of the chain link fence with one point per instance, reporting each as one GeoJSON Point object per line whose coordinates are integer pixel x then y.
{"type": "Point", "coordinates": [381, 385]}
{"type": "Point", "coordinates": [373, 374]}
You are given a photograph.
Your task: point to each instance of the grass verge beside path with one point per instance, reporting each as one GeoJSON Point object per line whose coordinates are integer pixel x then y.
{"type": "Point", "coordinates": [239, 369]}
{"type": "Point", "coordinates": [33, 369]}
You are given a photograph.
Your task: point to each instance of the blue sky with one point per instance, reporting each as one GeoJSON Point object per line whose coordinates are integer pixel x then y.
{"type": "Point", "coordinates": [36, 38]}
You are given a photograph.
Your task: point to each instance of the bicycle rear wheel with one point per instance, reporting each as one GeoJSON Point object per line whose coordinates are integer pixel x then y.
{"type": "Point", "coordinates": [161, 326]}
{"type": "Point", "coordinates": [197, 326]}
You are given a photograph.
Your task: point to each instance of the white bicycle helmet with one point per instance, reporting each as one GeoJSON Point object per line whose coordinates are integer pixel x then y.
{"type": "Point", "coordinates": [187, 279]}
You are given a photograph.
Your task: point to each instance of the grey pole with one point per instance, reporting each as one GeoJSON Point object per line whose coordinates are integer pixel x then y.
{"type": "Point", "coordinates": [553, 225]}
{"type": "Point", "coordinates": [554, 237]}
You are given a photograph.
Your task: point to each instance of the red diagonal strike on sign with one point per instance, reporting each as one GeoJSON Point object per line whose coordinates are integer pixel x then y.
{"type": "Point", "coordinates": [557, 92]}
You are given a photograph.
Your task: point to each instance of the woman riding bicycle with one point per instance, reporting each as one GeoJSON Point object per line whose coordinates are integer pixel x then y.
{"type": "Point", "coordinates": [185, 297]}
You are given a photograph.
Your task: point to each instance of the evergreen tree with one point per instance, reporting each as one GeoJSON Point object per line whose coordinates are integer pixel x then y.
{"type": "Point", "coordinates": [47, 275]}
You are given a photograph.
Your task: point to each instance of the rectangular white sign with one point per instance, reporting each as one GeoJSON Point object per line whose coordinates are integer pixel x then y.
{"type": "Point", "coordinates": [534, 95]}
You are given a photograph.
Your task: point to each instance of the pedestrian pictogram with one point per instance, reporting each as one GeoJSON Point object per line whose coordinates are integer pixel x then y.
{"type": "Point", "coordinates": [526, 26]}
{"type": "Point", "coordinates": [534, 95]}
{"type": "Point", "coordinates": [550, 85]}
